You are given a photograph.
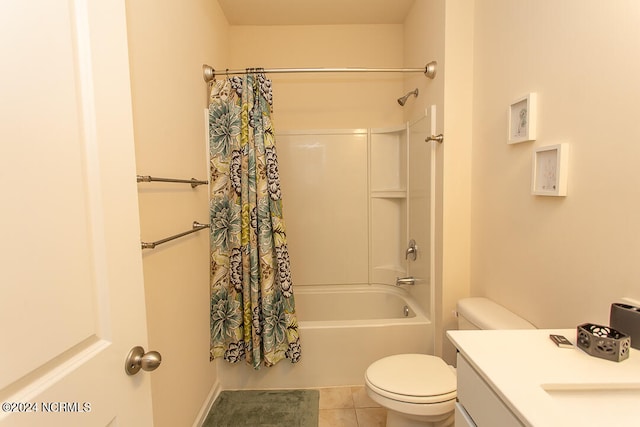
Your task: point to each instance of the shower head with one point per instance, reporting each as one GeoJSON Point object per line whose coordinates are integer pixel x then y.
{"type": "Point", "coordinates": [402, 100]}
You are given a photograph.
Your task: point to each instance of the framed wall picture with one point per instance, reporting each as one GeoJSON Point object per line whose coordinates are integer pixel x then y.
{"type": "Point", "coordinates": [550, 169]}
{"type": "Point", "coordinates": [522, 119]}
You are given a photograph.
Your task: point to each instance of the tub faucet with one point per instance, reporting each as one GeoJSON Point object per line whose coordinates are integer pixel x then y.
{"type": "Point", "coordinates": [405, 281]}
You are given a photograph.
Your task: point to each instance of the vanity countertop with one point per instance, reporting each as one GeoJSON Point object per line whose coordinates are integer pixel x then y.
{"type": "Point", "coordinates": [545, 385]}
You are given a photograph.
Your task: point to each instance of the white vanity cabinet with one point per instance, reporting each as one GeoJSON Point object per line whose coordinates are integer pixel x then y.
{"type": "Point", "coordinates": [478, 405]}
{"type": "Point", "coordinates": [513, 378]}
{"type": "Point", "coordinates": [462, 417]}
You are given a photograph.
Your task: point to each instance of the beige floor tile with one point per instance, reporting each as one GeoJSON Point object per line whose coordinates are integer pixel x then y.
{"type": "Point", "coordinates": [371, 417]}
{"type": "Point", "coordinates": [361, 399]}
{"type": "Point", "coordinates": [336, 398]}
{"type": "Point", "coordinates": [337, 418]}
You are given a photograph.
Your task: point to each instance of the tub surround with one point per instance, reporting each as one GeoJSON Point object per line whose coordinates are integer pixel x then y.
{"type": "Point", "coordinates": [370, 188]}
{"type": "Point", "coordinates": [544, 385]}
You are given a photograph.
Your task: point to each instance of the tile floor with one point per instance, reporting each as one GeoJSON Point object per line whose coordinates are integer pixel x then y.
{"type": "Point", "coordinates": [349, 407]}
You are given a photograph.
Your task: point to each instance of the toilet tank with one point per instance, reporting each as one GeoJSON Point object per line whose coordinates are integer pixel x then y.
{"type": "Point", "coordinates": [482, 313]}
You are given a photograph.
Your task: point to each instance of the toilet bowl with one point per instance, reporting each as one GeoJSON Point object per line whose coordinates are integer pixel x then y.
{"type": "Point", "coordinates": [419, 390]}
{"type": "Point", "coordinates": [416, 389]}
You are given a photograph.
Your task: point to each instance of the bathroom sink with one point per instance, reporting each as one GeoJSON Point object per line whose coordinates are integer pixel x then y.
{"type": "Point", "coordinates": [597, 402]}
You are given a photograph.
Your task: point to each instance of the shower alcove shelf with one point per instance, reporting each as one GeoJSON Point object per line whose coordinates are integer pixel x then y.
{"type": "Point", "coordinates": [388, 204]}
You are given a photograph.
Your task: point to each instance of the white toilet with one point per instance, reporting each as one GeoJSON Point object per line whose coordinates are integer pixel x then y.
{"type": "Point", "coordinates": [419, 390]}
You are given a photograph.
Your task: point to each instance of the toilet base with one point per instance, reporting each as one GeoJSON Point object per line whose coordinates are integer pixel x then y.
{"type": "Point", "coordinates": [397, 419]}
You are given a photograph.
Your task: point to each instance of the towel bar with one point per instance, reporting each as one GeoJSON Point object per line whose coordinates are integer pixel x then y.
{"type": "Point", "coordinates": [196, 226]}
{"type": "Point", "coordinates": [194, 182]}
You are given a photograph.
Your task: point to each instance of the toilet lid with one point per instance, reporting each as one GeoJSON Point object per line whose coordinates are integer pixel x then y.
{"type": "Point", "coordinates": [413, 375]}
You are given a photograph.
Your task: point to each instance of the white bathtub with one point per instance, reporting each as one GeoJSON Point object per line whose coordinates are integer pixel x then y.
{"type": "Point", "coordinates": [351, 305]}
{"type": "Point", "coordinates": [343, 329]}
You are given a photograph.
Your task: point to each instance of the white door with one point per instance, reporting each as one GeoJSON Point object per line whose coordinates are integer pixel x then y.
{"type": "Point", "coordinates": [71, 288]}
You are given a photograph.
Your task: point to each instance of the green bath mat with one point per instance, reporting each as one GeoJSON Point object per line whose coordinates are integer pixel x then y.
{"type": "Point", "coordinates": [265, 408]}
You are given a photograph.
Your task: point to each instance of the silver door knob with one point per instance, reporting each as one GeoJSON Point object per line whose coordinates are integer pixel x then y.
{"type": "Point", "coordinates": [137, 359]}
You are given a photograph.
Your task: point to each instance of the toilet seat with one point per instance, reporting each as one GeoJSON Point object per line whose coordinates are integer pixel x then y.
{"type": "Point", "coordinates": [412, 378]}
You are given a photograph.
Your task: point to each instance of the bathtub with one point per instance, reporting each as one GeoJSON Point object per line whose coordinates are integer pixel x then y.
{"type": "Point", "coordinates": [343, 329]}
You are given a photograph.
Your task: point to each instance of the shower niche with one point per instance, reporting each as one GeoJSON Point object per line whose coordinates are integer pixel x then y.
{"type": "Point", "coordinates": [388, 204]}
{"type": "Point", "coordinates": [401, 190]}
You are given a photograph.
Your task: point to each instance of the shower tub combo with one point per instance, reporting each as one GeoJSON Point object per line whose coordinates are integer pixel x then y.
{"type": "Point", "coordinates": [343, 329]}
{"type": "Point", "coordinates": [349, 311]}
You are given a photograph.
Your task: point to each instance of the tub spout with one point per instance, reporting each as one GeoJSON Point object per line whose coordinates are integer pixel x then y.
{"type": "Point", "coordinates": [405, 281]}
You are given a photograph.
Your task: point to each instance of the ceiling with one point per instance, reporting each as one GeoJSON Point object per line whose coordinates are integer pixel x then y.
{"type": "Point", "coordinates": [315, 12]}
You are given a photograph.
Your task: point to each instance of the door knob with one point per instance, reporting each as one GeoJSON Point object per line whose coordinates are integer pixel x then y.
{"type": "Point", "coordinates": [137, 359]}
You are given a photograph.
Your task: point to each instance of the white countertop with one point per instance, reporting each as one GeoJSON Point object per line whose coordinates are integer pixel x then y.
{"type": "Point", "coordinates": [545, 385]}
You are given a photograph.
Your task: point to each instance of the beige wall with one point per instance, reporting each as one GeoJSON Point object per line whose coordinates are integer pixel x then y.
{"type": "Point", "coordinates": [423, 42]}
{"type": "Point", "coordinates": [326, 101]}
{"type": "Point", "coordinates": [557, 261]}
{"type": "Point", "coordinates": [443, 31]}
{"type": "Point", "coordinates": [456, 165]}
{"type": "Point", "coordinates": [169, 41]}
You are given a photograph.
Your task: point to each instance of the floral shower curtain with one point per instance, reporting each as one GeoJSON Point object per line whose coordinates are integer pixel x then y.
{"type": "Point", "coordinates": [252, 304]}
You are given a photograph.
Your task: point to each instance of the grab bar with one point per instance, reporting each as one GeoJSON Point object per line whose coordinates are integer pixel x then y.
{"type": "Point", "coordinates": [194, 182]}
{"type": "Point", "coordinates": [196, 227]}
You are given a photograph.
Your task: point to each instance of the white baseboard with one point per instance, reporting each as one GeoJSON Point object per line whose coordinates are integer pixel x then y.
{"type": "Point", "coordinates": [208, 403]}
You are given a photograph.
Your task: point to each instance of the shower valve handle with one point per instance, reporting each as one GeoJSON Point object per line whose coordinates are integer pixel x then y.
{"type": "Point", "coordinates": [412, 250]}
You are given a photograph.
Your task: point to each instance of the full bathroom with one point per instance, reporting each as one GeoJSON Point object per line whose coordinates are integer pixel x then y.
{"type": "Point", "coordinates": [395, 211]}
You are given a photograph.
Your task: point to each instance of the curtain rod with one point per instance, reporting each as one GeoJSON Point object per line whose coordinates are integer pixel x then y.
{"type": "Point", "coordinates": [210, 73]}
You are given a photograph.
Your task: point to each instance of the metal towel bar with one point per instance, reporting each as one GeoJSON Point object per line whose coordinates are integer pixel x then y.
{"type": "Point", "coordinates": [196, 226]}
{"type": "Point", "coordinates": [194, 182]}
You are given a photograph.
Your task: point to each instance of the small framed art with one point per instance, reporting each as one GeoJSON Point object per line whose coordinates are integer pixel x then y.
{"type": "Point", "coordinates": [550, 169]}
{"type": "Point", "coordinates": [522, 119]}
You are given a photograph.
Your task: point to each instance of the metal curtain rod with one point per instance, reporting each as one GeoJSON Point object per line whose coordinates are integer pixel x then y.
{"type": "Point", "coordinates": [196, 226]}
{"type": "Point", "coordinates": [210, 73]}
{"type": "Point", "coordinates": [194, 182]}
